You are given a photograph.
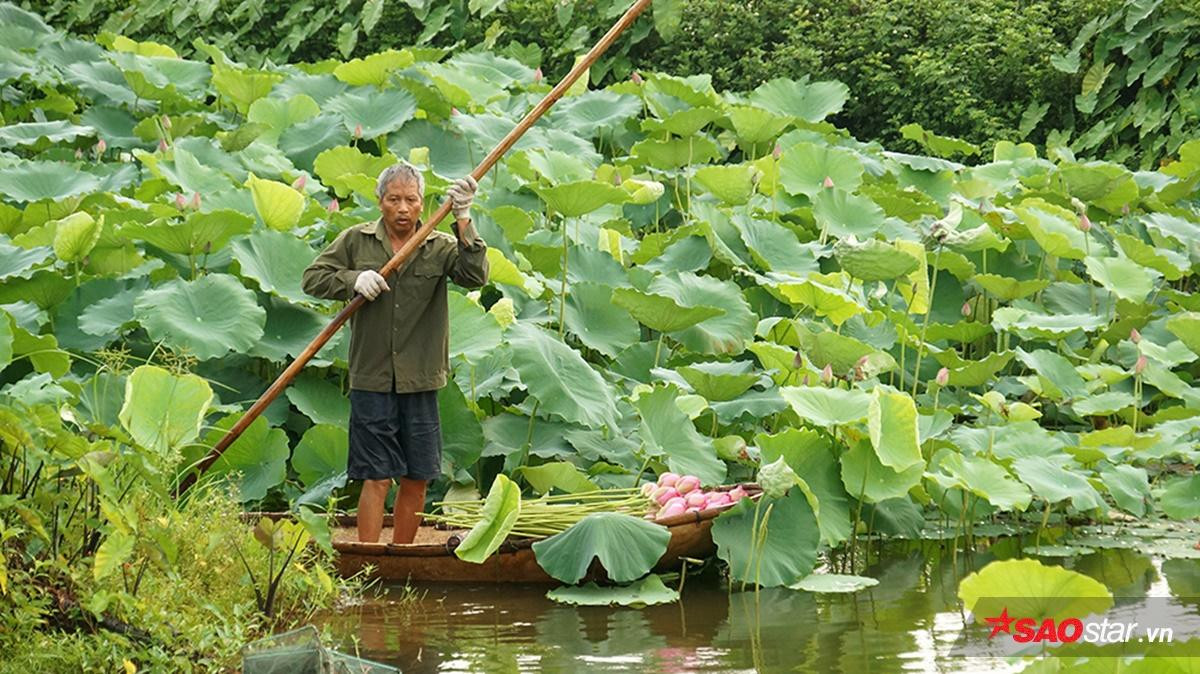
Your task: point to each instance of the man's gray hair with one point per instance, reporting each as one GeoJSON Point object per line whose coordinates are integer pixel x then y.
{"type": "Point", "coordinates": [401, 171]}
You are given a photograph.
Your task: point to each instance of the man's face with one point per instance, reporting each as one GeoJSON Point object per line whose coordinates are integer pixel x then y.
{"type": "Point", "coordinates": [401, 205]}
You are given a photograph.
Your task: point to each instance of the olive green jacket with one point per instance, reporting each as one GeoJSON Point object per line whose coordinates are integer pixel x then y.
{"type": "Point", "coordinates": [400, 340]}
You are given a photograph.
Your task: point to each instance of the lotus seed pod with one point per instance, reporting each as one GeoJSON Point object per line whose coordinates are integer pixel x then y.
{"type": "Point", "coordinates": [943, 377]}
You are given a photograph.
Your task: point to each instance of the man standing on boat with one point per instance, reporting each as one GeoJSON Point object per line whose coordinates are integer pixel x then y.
{"type": "Point", "coordinates": [399, 341]}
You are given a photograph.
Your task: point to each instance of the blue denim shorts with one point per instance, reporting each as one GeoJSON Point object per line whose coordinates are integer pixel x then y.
{"type": "Point", "coordinates": [394, 435]}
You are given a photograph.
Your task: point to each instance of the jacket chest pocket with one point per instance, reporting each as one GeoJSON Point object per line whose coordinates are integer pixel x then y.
{"type": "Point", "coordinates": [426, 274]}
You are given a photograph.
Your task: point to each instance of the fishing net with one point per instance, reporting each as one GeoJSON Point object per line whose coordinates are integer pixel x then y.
{"type": "Point", "coordinates": [300, 652]}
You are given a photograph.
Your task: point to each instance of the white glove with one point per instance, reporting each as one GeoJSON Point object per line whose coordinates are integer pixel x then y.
{"type": "Point", "coordinates": [461, 194]}
{"type": "Point", "coordinates": [369, 284]}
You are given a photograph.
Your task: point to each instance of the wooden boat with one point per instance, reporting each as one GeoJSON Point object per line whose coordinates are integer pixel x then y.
{"type": "Point", "coordinates": [431, 558]}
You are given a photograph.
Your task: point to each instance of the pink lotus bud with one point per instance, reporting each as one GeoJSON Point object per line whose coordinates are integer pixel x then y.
{"type": "Point", "coordinates": [668, 479]}
{"type": "Point", "coordinates": [1085, 223]}
{"type": "Point", "coordinates": [828, 182]}
{"type": "Point", "coordinates": [78, 153]}
{"type": "Point", "coordinates": [736, 494]}
{"type": "Point", "coordinates": [676, 499]}
{"type": "Point", "coordinates": [1140, 366]}
{"type": "Point", "coordinates": [717, 498]}
{"type": "Point", "coordinates": [827, 374]}
{"type": "Point", "coordinates": [616, 179]}
{"type": "Point", "coordinates": [195, 201]}
{"type": "Point", "coordinates": [300, 182]}
{"type": "Point", "coordinates": [695, 499]}
{"type": "Point", "coordinates": [798, 361]}
{"type": "Point", "coordinates": [1135, 336]}
{"type": "Point", "coordinates": [966, 309]}
{"type": "Point", "coordinates": [804, 382]}
{"type": "Point", "coordinates": [454, 112]}
{"type": "Point", "coordinates": [162, 145]}
{"type": "Point", "coordinates": [636, 77]}
{"type": "Point", "coordinates": [671, 511]}
{"type": "Point", "coordinates": [667, 494]}
{"type": "Point", "coordinates": [333, 206]}
{"type": "Point", "coordinates": [358, 130]}
{"type": "Point", "coordinates": [166, 122]}
{"type": "Point", "coordinates": [101, 146]}
{"type": "Point", "coordinates": [537, 76]}
{"type": "Point", "coordinates": [180, 200]}
{"type": "Point", "coordinates": [777, 152]}
{"type": "Point", "coordinates": [858, 367]}
{"type": "Point", "coordinates": [943, 377]}
{"type": "Point", "coordinates": [687, 484]}
{"type": "Point", "coordinates": [648, 489]}
{"type": "Point", "coordinates": [693, 509]}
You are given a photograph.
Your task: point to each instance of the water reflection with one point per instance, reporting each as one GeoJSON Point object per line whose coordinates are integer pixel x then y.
{"type": "Point", "coordinates": [907, 622]}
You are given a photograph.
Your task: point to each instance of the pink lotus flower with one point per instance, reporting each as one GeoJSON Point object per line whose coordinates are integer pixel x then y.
{"type": "Point", "coordinates": [166, 122]}
{"type": "Point", "coordinates": [687, 484]}
{"type": "Point", "coordinates": [300, 182]}
{"type": "Point", "coordinates": [778, 152]}
{"type": "Point", "coordinates": [668, 479]}
{"type": "Point", "coordinates": [78, 153]}
{"type": "Point", "coordinates": [1085, 223]}
{"type": "Point", "coordinates": [1135, 336]}
{"type": "Point", "coordinates": [636, 77]}
{"type": "Point", "coordinates": [537, 76]}
{"type": "Point", "coordinates": [1140, 366]}
{"type": "Point", "coordinates": [828, 182]}
{"type": "Point", "coordinates": [966, 309]}
{"type": "Point", "coordinates": [454, 112]}
{"type": "Point", "coordinates": [195, 201]}
{"type": "Point", "coordinates": [180, 200]}
{"type": "Point", "coordinates": [358, 130]}
{"type": "Point", "coordinates": [827, 374]}
{"type": "Point", "coordinates": [101, 146]}
{"type": "Point", "coordinates": [943, 377]}
{"type": "Point", "coordinates": [333, 206]}
{"type": "Point", "coordinates": [162, 145]}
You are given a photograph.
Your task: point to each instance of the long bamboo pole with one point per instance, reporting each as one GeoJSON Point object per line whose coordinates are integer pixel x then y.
{"type": "Point", "coordinates": [286, 377]}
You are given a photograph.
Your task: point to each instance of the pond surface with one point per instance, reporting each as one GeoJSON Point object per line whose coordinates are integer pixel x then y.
{"type": "Point", "coordinates": [908, 622]}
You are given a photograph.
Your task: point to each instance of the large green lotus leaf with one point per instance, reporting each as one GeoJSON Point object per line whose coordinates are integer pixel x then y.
{"type": "Point", "coordinates": [23, 30]}
{"type": "Point", "coordinates": [975, 239]}
{"type": "Point", "coordinates": [817, 292]}
{"type": "Point", "coordinates": [665, 429]}
{"type": "Point", "coordinates": [278, 205]}
{"type": "Point", "coordinates": [255, 462]}
{"type": "Point", "coordinates": [560, 379]}
{"type": "Point", "coordinates": [1008, 289]}
{"type": "Point", "coordinates": [375, 69]}
{"type": "Point", "coordinates": [720, 381]}
{"type": "Point", "coordinates": [207, 317]}
{"type": "Point", "coordinates": [844, 354]}
{"type": "Point", "coordinates": [42, 350]}
{"type": "Point", "coordinates": [289, 329]}
{"type": "Point", "coordinates": [684, 122]}
{"type": "Point", "coordinates": [810, 454]}
{"type": "Point", "coordinates": [673, 153]}
{"type": "Point", "coordinates": [864, 476]}
{"type": "Point", "coordinates": [1058, 377]}
{"type": "Point", "coordinates": [474, 333]}
{"type": "Point", "coordinates": [944, 146]}
{"type": "Point", "coordinates": [841, 213]}
{"type": "Point", "coordinates": [1181, 499]}
{"type": "Point", "coordinates": [982, 477]}
{"type": "Point", "coordinates": [892, 425]}
{"type": "Point", "coordinates": [1129, 486]}
{"type": "Point", "coordinates": [192, 175]}
{"type": "Point", "coordinates": [1175, 228]}
{"type": "Point", "coordinates": [378, 112]}
{"type": "Point", "coordinates": [973, 372]}
{"type": "Point", "coordinates": [722, 236]}
{"type": "Point", "coordinates": [276, 261]}
{"type": "Point", "coordinates": [1124, 277]}
{"type": "Point", "coordinates": [68, 316]}
{"type": "Point", "coordinates": [1186, 326]}
{"type": "Point", "coordinates": [1053, 227]}
{"type": "Point", "coordinates": [600, 324]}
{"type": "Point", "coordinates": [318, 87]}
{"type": "Point", "coordinates": [320, 400]}
{"type": "Point", "coordinates": [163, 411]}
{"type": "Point", "coordinates": [44, 180]}
{"type": "Point", "coordinates": [810, 101]}
{"type": "Point", "coordinates": [304, 141]}
{"type": "Point", "coordinates": [627, 547]}
{"type": "Point", "coordinates": [277, 114]}
{"type": "Point", "coordinates": [1171, 264]}
{"type": "Point", "coordinates": [723, 334]}
{"type": "Point", "coordinates": [110, 316]}
{"type": "Point", "coordinates": [827, 406]}
{"type": "Point", "coordinates": [554, 166]}
{"type": "Point", "coordinates": [76, 235]}
{"type": "Point", "coordinates": [874, 260]}
{"type": "Point", "coordinates": [581, 197]}
{"type": "Point", "coordinates": [243, 86]}
{"type": "Point", "coordinates": [1028, 588]}
{"type": "Point", "coordinates": [756, 126]}
{"type": "Point", "coordinates": [833, 583]}
{"type": "Point", "coordinates": [462, 434]}
{"type": "Point", "coordinates": [6, 338]}
{"type": "Point", "coordinates": [44, 288]}
{"type": "Point", "coordinates": [805, 166]}
{"type": "Point", "coordinates": [1109, 186]}
{"type": "Point", "coordinates": [789, 540]}
{"type": "Point", "coordinates": [731, 183]}
{"type": "Point", "coordinates": [775, 247]}
{"type": "Point", "coordinates": [321, 453]}
{"type": "Point", "coordinates": [1102, 404]}
{"type": "Point", "coordinates": [19, 262]}
{"type": "Point", "coordinates": [559, 475]}
{"type": "Point", "coordinates": [336, 163]}
{"type": "Point", "coordinates": [28, 133]}
{"type": "Point", "coordinates": [660, 312]}
{"type": "Point", "coordinates": [1052, 482]}
{"type": "Point", "coordinates": [199, 233]}
{"type": "Point", "coordinates": [690, 253]}
{"type": "Point", "coordinates": [646, 592]}
{"type": "Point", "coordinates": [1044, 326]}
{"type": "Point", "coordinates": [496, 520]}
{"type": "Point", "coordinates": [595, 111]}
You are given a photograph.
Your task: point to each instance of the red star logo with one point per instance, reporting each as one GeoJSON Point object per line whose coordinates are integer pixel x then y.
{"type": "Point", "coordinates": [1000, 623]}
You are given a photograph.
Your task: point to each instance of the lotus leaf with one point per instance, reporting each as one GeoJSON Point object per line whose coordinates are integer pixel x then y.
{"type": "Point", "coordinates": [732, 183]}
{"type": "Point", "coordinates": [559, 379]}
{"type": "Point", "coordinates": [557, 475]}
{"type": "Point", "coordinates": [1124, 277]}
{"type": "Point", "coordinates": [255, 462]}
{"type": "Point", "coordinates": [1026, 587]}
{"type": "Point", "coordinates": [320, 401]}
{"type": "Point", "coordinates": [720, 381]}
{"type": "Point", "coordinates": [278, 205]}
{"type": "Point", "coordinates": [38, 180]}
{"type": "Point", "coordinates": [627, 547]}
{"type": "Point", "coordinates": [668, 431]}
{"type": "Point", "coordinates": [983, 478]}
{"type": "Point", "coordinates": [645, 592]}
{"type": "Point", "coordinates": [874, 260]}
{"type": "Point", "coordinates": [724, 333]}
{"type": "Point", "coordinates": [163, 411]}
{"type": "Point", "coordinates": [825, 583]}
{"type": "Point", "coordinates": [892, 425]}
{"type": "Point", "coordinates": [789, 537]}
{"type": "Point", "coordinates": [827, 406]}
{"type": "Point", "coordinates": [276, 261]}
{"type": "Point", "coordinates": [810, 101]}
{"type": "Point", "coordinates": [321, 453]}
{"type": "Point", "coordinates": [499, 514]}
{"type": "Point", "coordinates": [199, 233]}
{"type": "Point", "coordinates": [207, 317]}
{"type": "Point", "coordinates": [1053, 482]}
{"type": "Point", "coordinates": [864, 477]}
{"type": "Point", "coordinates": [581, 197]}
{"type": "Point", "coordinates": [600, 324]}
